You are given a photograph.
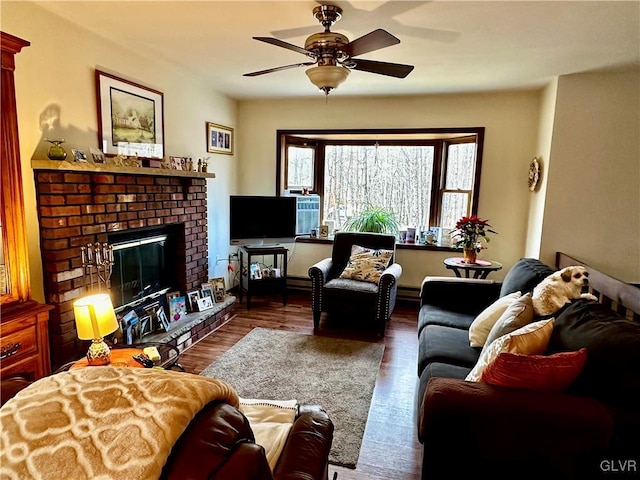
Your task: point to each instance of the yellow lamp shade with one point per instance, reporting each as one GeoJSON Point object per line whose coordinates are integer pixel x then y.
{"type": "Point", "coordinates": [95, 317]}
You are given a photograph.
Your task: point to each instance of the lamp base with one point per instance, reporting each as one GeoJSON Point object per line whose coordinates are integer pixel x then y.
{"type": "Point", "coordinates": [98, 353]}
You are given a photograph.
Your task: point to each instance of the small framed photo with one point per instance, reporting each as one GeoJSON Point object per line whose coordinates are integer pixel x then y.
{"type": "Point", "coordinates": [177, 309]}
{"type": "Point", "coordinates": [79, 155]}
{"type": "Point", "coordinates": [254, 272]}
{"type": "Point", "coordinates": [171, 295]}
{"type": "Point", "coordinates": [192, 300]}
{"type": "Point", "coordinates": [97, 155]}
{"type": "Point", "coordinates": [178, 163]}
{"type": "Point", "coordinates": [162, 316]}
{"type": "Point", "coordinates": [219, 139]}
{"type": "Point", "coordinates": [207, 290]}
{"type": "Point", "coordinates": [219, 289]}
{"type": "Point", "coordinates": [205, 303]}
{"type": "Point", "coordinates": [324, 231]}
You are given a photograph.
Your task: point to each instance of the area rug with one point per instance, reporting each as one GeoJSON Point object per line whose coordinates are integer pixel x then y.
{"type": "Point", "coordinates": [337, 374]}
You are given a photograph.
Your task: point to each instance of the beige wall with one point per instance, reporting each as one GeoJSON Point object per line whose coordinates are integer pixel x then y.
{"type": "Point", "coordinates": [56, 74]}
{"type": "Point", "coordinates": [537, 197]}
{"type": "Point", "coordinates": [511, 122]}
{"type": "Point", "coordinates": [592, 207]}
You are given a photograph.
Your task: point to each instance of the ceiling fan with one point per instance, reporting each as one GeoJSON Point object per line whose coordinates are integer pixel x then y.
{"type": "Point", "coordinates": [334, 55]}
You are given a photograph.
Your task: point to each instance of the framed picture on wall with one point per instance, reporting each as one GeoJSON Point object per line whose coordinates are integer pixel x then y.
{"type": "Point", "coordinates": [219, 139]}
{"type": "Point", "coordinates": [130, 117]}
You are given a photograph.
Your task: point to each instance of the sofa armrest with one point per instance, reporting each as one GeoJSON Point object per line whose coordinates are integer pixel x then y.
{"type": "Point", "coordinates": [495, 423]}
{"type": "Point", "coordinates": [306, 452]}
{"type": "Point", "coordinates": [463, 295]}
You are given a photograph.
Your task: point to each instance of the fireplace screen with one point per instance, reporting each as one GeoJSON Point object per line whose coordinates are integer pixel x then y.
{"type": "Point", "coordinates": [141, 268]}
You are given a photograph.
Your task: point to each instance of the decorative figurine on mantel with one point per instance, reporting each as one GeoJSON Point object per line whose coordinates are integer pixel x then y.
{"type": "Point", "coordinates": [200, 165]}
{"type": "Point", "coordinates": [56, 152]}
{"type": "Point", "coordinates": [190, 164]}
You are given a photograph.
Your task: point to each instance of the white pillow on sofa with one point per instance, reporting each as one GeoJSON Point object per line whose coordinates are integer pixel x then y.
{"type": "Point", "coordinates": [484, 322]}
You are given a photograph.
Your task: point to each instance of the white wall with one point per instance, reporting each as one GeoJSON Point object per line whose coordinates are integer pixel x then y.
{"type": "Point", "coordinates": [511, 123]}
{"type": "Point", "coordinates": [592, 208]}
{"type": "Point", "coordinates": [55, 76]}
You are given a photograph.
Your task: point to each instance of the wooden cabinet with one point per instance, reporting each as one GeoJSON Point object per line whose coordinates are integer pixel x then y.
{"type": "Point", "coordinates": [24, 338]}
{"type": "Point", "coordinates": [24, 342]}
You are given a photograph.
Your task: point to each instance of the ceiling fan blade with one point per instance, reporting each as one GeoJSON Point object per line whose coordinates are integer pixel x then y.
{"type": "Point", "coordinates": [371, 41]}
{"type": "Point", "coordinates": [283, 44]}
{"type": "Point", "coordinates": [277, 69]}
{"type": "Point", "coordinates": [398, 70]}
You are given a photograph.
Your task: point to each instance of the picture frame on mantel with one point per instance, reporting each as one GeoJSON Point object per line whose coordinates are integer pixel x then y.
{"type": "Point", "coordinates": [130, 117]}
{"type": "Point", "coordinates": [219, 139]}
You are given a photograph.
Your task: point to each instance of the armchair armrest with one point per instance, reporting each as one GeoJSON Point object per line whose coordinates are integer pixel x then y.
{"type": "Point", "coordinates": [320, 271]}
{"type": "Point", "coordinates": [306, 452]}
{"type": "Point", "coordinates": [557, 428]}
{"type": "Point", "coordinates": [463, 295]}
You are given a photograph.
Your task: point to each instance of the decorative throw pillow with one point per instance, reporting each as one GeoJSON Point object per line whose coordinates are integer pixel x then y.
{"type": "Point", "coordinates": [484, 322]}
{"type": "Point", "coordinates": [518, 314]}
{"type": "Point", "coordinates": [535, 372]}
{"type": "Point", "coordinates": [367, 264]}
{"type": "Point", "coordinates": [531, 339]}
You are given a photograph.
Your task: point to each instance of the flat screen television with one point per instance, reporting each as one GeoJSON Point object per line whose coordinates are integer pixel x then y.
{"type": "Point", "coordinates": [261, 220]}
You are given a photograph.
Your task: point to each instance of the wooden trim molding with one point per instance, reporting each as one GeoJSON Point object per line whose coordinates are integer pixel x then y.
{"type": "Point", "coordinates": [14, 234]}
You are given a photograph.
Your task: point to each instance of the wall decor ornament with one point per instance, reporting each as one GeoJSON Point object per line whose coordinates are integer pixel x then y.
{"type": "Point", "coordinates": [534, 173]}
{"type": "Point", "coordinates": [219, 139]}
{"type": "Point", "coordinates": [130, 117]}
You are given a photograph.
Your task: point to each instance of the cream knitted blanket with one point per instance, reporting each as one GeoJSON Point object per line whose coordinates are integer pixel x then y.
{"type": "Point", "coordinates": [101, 422]}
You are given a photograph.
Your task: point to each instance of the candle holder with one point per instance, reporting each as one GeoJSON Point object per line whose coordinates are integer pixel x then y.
{"type": "Point", "coordinates": [97, 264]}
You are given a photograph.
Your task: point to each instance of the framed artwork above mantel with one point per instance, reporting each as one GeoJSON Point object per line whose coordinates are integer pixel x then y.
{"type": "Point", "coordinates": [130, 117]}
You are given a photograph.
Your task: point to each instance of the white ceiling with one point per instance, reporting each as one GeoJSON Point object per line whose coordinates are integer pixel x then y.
{"type": "Point", "coordinates": [455, 46]}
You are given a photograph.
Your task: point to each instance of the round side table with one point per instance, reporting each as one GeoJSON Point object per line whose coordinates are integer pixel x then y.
{"type": "Point", "coordinates": [481, 269]}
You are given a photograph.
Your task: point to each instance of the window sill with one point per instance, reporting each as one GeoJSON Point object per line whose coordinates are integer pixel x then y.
{"type": "Point", "coordinates": [399, 246]}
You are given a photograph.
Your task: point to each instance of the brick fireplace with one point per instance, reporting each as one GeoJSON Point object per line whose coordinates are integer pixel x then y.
{"type": "Point", "coordinates": [76, 208]}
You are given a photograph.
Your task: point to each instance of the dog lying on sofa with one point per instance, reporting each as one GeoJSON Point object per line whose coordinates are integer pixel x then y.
{"type": "Point", "coordinates": [559, 288]}
{"type": "Point", "coordinates": [526, 433]}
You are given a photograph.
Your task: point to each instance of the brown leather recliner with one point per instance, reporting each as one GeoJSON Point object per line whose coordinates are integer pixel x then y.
{"type": "Point", "coordinates": [219, 444]}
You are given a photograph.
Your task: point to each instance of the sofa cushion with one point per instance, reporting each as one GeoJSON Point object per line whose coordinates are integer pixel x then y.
{"type": "Point", "coordinates": [367, 264]}
{"type": "Point", "coordinates": [433, 370]}
{"type": "Point", "coordinates": [524, 276]}
{"type": "Point", "coordinates": [517, 315]}
{"type": "Point", "coordinates": [535, 372]}
{"type": "Point", "coordinates": [438, 343]}
{"type": "Point", "coordinates": [484, 322]}
{"type": "Point", "coordinates": [611, 372]}
{"type": "Point", "coordinates": [531, 339]}
{"type": "Point", "coordinates": [434, 315]}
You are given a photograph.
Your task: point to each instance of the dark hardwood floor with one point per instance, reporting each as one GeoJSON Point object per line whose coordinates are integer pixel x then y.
{"type": "Point", "coordinates": [390, 449]}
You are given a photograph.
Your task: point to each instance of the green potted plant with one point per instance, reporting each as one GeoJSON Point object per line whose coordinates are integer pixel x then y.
{"type": "Point", "coordinates": [373, 219]}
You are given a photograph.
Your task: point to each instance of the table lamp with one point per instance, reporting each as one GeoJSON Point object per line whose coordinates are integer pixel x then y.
{"type": "Point", "coordinates": [95, 318]}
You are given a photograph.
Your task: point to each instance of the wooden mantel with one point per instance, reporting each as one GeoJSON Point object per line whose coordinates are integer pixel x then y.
{"type": "Point", "coordinates": [107, 168]}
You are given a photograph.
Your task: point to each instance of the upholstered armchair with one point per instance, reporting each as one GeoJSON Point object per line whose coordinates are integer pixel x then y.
{"type": "Point", "coordinates": [351, 297]}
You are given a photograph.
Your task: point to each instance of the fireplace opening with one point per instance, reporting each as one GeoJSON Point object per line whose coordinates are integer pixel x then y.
{"type": "Point", "coordinates": [146, 265]}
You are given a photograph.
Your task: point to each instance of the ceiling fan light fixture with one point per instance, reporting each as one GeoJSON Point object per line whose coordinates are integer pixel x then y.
{"type": "Point", "coordinates": [327, 77]}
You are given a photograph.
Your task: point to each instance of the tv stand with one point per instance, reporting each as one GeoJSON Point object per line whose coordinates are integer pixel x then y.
{"type": "Point", "coordinates": [253, 284]}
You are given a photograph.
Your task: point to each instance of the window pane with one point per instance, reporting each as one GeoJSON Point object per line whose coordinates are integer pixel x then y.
{"type": "Point", "coordinates": [461, 159]}
{"type": "Point", "coordinates": [300, 167]}
{"type": "Point", "coordinates": [454, 207]}
{"type": "Point", "coordinates": [394, 177]}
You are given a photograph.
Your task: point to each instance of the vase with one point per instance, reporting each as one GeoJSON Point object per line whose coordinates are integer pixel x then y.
{"type": "Point", "coordinates": [470, 255]}
{"type": "Point", "coordinates": [56, 152]}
